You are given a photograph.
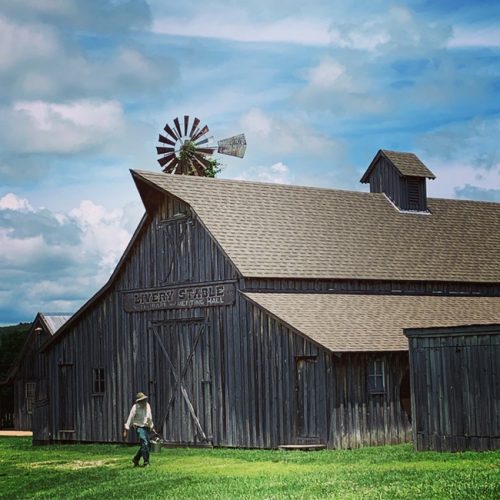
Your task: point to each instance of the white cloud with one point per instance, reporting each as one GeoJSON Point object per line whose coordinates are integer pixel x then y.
{"type": "Point", "coordinates": [237, 27]}
{"type": "Point", "coordinates": [469, 36]}
{"type": "Point", "coordinates": [53, 260]}
{"type": "Point", "coordinates": [284, 135]}
{"type": "Point", "coordinates": [278, 173]}
{"type": "Point", "coordinates": [397, 29]}
{"type": "Point", "coordinates": [21, 43]}
{"type": "Point", "coordinates": [464, 157]}
{"type": "Point", "coordinates": [344, 90]}
{"type": "Point", "coordinates": [88, 114]}
{"type": "Point", "coordinates": [19, 251]}
{"type": "Point", "coordinates": [327, 73]}
{"type": "Point", "coordinates": [362, 36]}
{"type": "Point", "coordinates": [103, 233]}
{"type": "Point", "coordinates": [39, 126]}
{"type": "Point", "coordinates": [12, 202]}
{"type": "Point", "coordinates": [452, 176]}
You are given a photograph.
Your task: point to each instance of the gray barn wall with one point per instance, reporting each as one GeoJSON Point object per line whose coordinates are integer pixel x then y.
{"type": "Point", "coordinates": [32, 368]}
{"type": "Point", "coordinates": [386, 179]}
{"type": "Point", "coordinates": [242, 378]}
{"type": "Point", "coordinates": [122, 343]}
{"type": "Point", "coordinates": [455, 388]}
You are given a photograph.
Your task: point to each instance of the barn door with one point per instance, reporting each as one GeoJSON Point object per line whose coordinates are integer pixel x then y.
{"type": "Point", "coordinates": [305, 399]}
{"type": "Point", "coordinates": [183, 389]}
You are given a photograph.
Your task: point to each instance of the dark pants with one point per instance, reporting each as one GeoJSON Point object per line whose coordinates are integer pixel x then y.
{"type": "Point", "coordinates": [143, 435]}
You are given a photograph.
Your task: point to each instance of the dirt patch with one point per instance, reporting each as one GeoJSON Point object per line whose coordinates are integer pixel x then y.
{"type": "Point", "coordinates": [16, 433]}
{"type": "Point", "coordinates": [73, 465]}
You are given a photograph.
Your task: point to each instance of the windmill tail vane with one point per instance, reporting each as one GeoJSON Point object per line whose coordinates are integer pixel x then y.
{"type": "Point", "coordinates": [185, 149]}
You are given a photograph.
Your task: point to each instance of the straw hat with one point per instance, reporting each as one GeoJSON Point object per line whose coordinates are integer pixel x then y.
{"type": "Point", "coordinates": [140, 396]}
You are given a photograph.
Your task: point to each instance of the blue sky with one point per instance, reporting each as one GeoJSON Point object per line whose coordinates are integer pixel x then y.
{"type": "Point", "coordinates": [317, 87]}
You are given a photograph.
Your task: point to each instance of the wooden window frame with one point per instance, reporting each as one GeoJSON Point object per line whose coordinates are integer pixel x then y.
{"type": "Point", "coordinates": [375, 376]}
{"type": "Point", "coordinates": [29, 395]}
{"type": "Point", "coordinates": [98, 381]}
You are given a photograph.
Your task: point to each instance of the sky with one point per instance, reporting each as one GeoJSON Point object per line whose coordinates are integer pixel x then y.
{"type": "Point", "coordinates": [317, 87]}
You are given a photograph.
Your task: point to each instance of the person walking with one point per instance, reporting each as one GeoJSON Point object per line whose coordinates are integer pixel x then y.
{"type": "Point", "coordinates": [141, 419]}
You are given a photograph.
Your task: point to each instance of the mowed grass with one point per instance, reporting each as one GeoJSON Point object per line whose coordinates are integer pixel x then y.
{"type": "Point", "coordinates": [105, 471]}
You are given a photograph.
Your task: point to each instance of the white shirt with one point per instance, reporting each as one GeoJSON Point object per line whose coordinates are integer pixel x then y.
{"type": "Point", "coordinates": [140, 416]}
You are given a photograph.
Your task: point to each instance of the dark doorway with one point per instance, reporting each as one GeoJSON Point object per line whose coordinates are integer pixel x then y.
{"type": "Point", "coordinates": [305, 399]}
{"type": "Point", "coordinates": [405, 394]}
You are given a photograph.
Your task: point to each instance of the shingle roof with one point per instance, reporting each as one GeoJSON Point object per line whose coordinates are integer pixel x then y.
{"type": "Point", "coordinates": [282, 231]}
{"type": "Point", "coordinates": [407, 164]}
{"type": "Point", "coordinates": [373, 322]}
{"type": "Point", "coordinates": [54, 321]}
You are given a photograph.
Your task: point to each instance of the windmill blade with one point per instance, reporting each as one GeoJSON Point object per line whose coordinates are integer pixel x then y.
{"type": "Point", "coordinates": [165, 159]}
{"type": "Point", "coordinates": [169, 169]}
{"type": "Point", "coordinates": [208, 151]}
{"type": "Point", "coordinates": [200, 157]}
{"type": "Point", "coordinates": [186, 123]}
{"type": "Point", "coordinates": [177, 126]}
{"type": "Point", "coordinates": [201, 133]}
{"type": "Point", "coordinates": [162, 151]}
{"type": "Point", "coordinates": [170, 132]}
{"type": "Point", "coordinates": [198, 166]}
{"type": "Point", "coordinates": [204, 141]}
{"type": "Point", "coordinates": [163, 139]}
{"type": "Point", "coordinates": [196, 122]}
{"type": "Point", "coordinates": [184, 167]}
{"type": "Point", "coordinates": [233, 146]}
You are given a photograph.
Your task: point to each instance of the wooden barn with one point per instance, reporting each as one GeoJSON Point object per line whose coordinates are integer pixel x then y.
{"type": "Point", "coordinates": [260, 315]}
{"type": "Point", "coordinates": [455, 381]}
{"type": "Point", "coordinates": [28, 374]}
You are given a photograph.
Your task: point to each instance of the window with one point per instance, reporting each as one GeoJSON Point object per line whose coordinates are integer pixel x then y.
{"type": "Point", "coordinates": [413, 194]}
{"type": "Point", "coordinates": [29, 392]}
{"type": "Point", "coordinates": [376, 377]}
{"type": "Point", "coordinates": [98, 380]}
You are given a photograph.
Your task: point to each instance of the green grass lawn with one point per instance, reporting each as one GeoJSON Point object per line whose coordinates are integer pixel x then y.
{"type": "Point", "coordinates": [100, 471]}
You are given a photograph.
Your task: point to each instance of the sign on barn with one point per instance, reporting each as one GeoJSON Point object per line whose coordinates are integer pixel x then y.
{"type": "Point", "coordinates": [219, 294]}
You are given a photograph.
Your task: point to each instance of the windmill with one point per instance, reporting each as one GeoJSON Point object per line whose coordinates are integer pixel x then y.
{"type": "Point", "coordinates": [187, 150]}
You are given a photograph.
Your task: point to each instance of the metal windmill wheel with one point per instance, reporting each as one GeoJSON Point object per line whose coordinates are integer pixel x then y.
{"type": "Point", "coordinates": [186, 149]}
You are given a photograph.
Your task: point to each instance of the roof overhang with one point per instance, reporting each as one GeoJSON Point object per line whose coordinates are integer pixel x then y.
{"type": "Point", "coordinates": [371, 323]}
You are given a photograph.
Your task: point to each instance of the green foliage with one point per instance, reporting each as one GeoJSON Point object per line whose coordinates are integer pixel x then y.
{"type": "Point", "coordinates": [187, 154]}
{"type": "Point", "coordinates": [100, 471]}
{"type": "Point", "coordinates": [214, 168]}
{"type": "Point", "coordinates": [12, 339]}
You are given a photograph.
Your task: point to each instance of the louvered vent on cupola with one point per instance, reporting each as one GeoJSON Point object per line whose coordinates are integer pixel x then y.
{"type": "Point", "coordinates": [402, 177]}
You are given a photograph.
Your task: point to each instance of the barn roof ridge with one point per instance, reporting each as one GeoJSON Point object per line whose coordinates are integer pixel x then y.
{"type": "Point", "coordinates": [245, 182]}
{"type": "Point", "coordinates": [283, 231]}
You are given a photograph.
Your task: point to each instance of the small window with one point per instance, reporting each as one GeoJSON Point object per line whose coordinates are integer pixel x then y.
{"type": "Point", "coordinates": [376, 377]}
{"type": "Point", "coordinates": [413, 194]}
{"type": "Point", "coordinates": [29, 392]}
{"type": "Point", "coordinates": [98, 380]}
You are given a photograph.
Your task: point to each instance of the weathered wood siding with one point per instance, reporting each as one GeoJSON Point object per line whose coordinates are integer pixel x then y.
{"type": "Point", "coordinates": [32, 369]}
{"type": "Point", "coordinates": [226, 375]}
{"type": "Point", "coordinates": [456, 388]}
{"type": "Point", "coordinates": [338, 409]}
{"type": "Point", "coordinates": [170, 251]}
{"type": "Point", "coordinates": [386, 179]}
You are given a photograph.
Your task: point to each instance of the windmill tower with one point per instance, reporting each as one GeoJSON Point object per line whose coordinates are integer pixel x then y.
{"type": "Point", "coordinates": [187, 150]}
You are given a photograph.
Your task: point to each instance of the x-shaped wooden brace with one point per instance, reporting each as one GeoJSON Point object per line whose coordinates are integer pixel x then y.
{"type": "Point", "coordinates": [174, 249]}
{"type": "Point", "coordinates": [178, 381]}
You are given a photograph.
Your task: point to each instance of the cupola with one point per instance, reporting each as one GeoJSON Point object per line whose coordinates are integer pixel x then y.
{"type": "Point", "coordinates": [401, 177]}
